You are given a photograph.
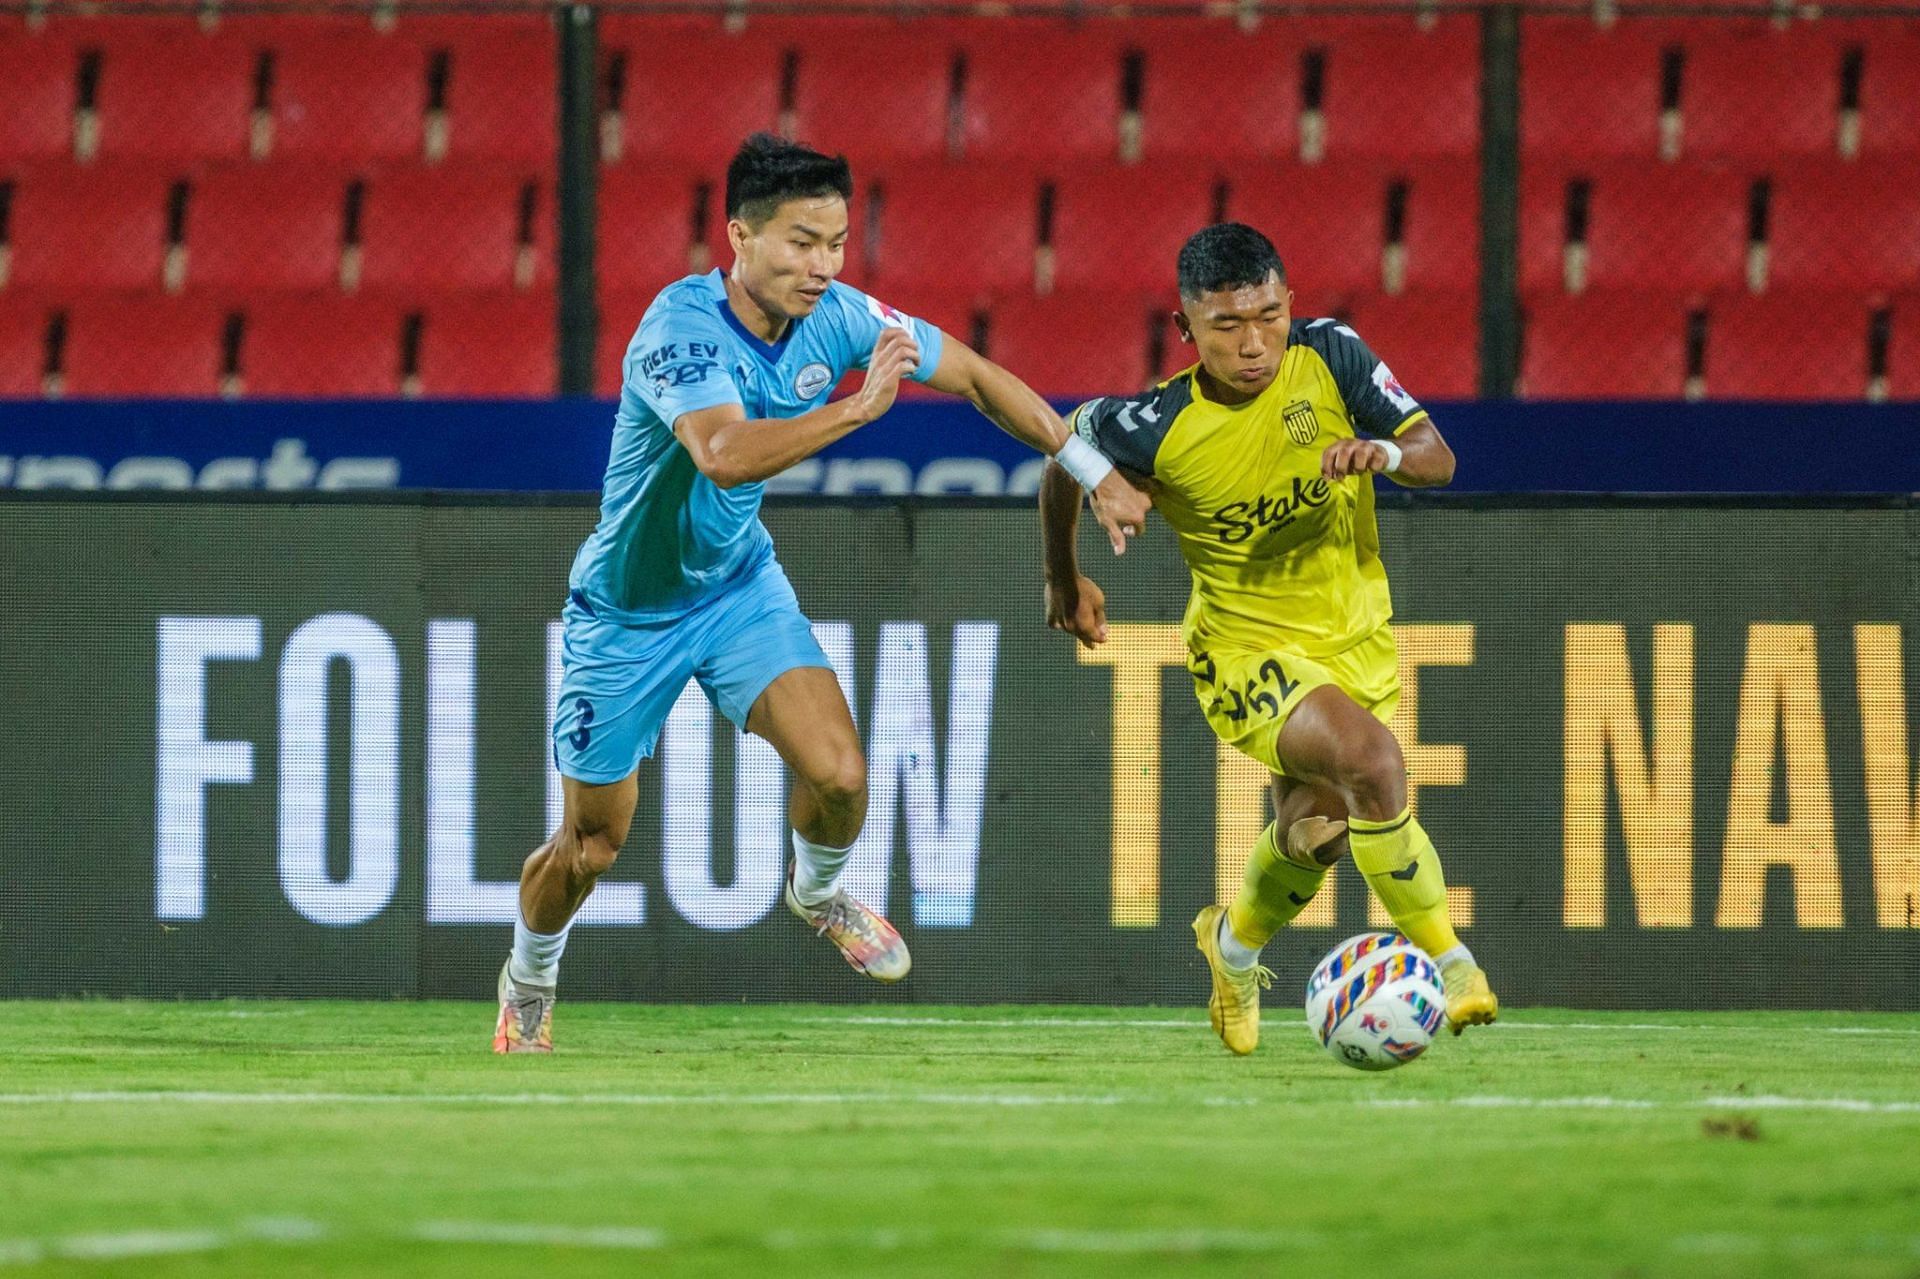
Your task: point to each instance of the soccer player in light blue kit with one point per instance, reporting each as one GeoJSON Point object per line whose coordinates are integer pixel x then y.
{"type": "Point", "coordinates": [725, 386]}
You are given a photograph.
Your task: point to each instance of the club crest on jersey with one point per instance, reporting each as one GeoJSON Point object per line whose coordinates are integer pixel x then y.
{"type": "Point", "coordinates": [812, 380]}
{"type": "Point", "coordinates": [1303, 425]}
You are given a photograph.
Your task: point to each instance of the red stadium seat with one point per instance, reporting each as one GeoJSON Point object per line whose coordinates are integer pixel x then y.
{"type": "Point", "coordinates": [1037, 89]}
{"type": "Point", "coordinates": [1182, 114]}
{"type": "Point", "coordinates": [1072, 346]}
{"type": "Point", "coordinates": [37, 94]}
{"type": "Point", "coordinates": [1395, 90]}
{"type": "Point", "coordinates": [274, 228]}
{"type": "Point", "coordinates": [455, 229]}
{"type": "Point", "coordinates": [341, 90]}
{"type": "Point", "coordinates": [23, 346]}
{"type": "Point", "coordinates": [1607, 346]}
{"type": "Point", "coordinates": [842, 107]}
{"type": "Point", "coordinates": [321, 346]}
{"type": "Point", "coordinates": [496, 347]}
{"type": "Point", "coordinates": [146, 346]}
{"type": "Point", "coordinates": [1590, 91]}
{"type": "Point", "coordinates": [1441, 228]}
{"type": "Point", "coordinates": [956, 226]}
{"type": "Point", "coordinates": [1787, 347]}
{"type": "Point", "coordinates": [619, 319]}
{"type": "Point", "coordinates": [1431, 341]}
{"type": "Point", "coordinates": [692, 96]}
{"type": "Point", "coordinates": [501, 91]}
{"type": "Point", "coordinates": [167, 91]}
{"type": "Point", "coordinates": [1903, 350]}
{"type": "Point", "coordinates": [646, 226]}
{"type": "Point", "coordinates": [1328, 221]}
{"type": "Point", "coordinates": [1649, 225]}
{"type": "Point", "coordinates": [1121, 229]}
{"type": "Point", "coordinates": [83, 228]}
{"type": "Point", "coordinates": [1841, 225]}
{"type": "Point", "coordinates": [1889, 86]}
{"type": "Point", "coordinates": [1751, 90]}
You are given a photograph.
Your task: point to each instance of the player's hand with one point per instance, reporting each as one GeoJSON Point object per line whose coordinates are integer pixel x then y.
{"type": "Point", "coordinates": [1080, 610]}
{"type": "Point", "coordinates": [895, 355]}
{"type": "Point", "coordinates": [1352, 457]}
{"type": "Point", "coordinates": [1121, 507]}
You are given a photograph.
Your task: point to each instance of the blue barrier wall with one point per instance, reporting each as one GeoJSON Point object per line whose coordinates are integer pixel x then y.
{"type": "Point", "coordinates": [924, 447]}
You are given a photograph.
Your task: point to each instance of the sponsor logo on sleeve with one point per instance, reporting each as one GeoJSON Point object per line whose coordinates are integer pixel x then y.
{"type": "Point", "coordinates": [1390, 387]}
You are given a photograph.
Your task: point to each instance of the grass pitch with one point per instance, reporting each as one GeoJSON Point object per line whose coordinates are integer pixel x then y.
{"type": "Point", "coordinates": [325, 1139]}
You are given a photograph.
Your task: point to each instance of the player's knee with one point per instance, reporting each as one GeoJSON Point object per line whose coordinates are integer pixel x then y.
{"type": "Point", "coordinates": [590, 853]}
{"type": "Point", "coordinates": [842, 782]}
{"type": "Point", "coordinates": [1375, 777]}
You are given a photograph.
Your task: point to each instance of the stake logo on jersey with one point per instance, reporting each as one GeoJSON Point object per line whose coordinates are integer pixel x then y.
{"type": "Point", "coordinates": [1280, 557]}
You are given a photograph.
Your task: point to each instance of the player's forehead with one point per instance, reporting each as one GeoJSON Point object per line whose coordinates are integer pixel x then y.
{"type": "Point", "coordinates": [1240, 302]}
{"type": "Point", "coordinates": [820, 216]}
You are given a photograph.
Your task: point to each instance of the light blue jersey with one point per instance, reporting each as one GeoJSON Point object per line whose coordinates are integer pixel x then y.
{"type": "Point", "coordinates": [669, 538]}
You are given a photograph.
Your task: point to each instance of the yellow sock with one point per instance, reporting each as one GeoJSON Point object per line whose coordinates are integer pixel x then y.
{"type": "Point", "coordinates": [1403, 869]}
{"type": "Point", "coordinates": [1276, 888]}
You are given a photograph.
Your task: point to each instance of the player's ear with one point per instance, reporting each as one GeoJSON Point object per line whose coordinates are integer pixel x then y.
{"type": "Point", "coordinates": [1180, 322]}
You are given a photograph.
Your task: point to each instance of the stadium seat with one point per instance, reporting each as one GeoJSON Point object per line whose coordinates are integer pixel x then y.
{"type": "Point", "coordinates": [37, 81]}
{"type": "Point", "coordinates": [167, 91]}
{"type": "Point", "coordinates": [501, 92]}
{"type": "Point", "coordinates": [1751, 90]}
{"type": "Point", "coordinates": [1398, 91]}
{"type": "Point", "coordinates": [1589, 91]}
{"type": "Point", "coordinates": [1903, 350]}
{"type": "Point", "coordinates": [842, 107]}
{"type": "Point", "coordinates": [1440, 231]}
{"type": "Point", "coordinates": [619, 317]}
{"type": "Point", "coordinates": [1604, 346]}
{"type": "Point", "coordinates": [277, 227]}
{"type": "Point", "coordinates": [321, 346]}
{"type": "Point", "coordinates": [1649, 225]}
{"type": "Point", "coordinates": [669, 107]}
{"type": "Point", "coordinates": [1808, 346]}
{"type": "Point", "coordinates": [972, 226]}
{"type": "Point", "coordinates": [1430, 340]}
{"type": "Point", "coordinates": [1328, 221]}
{"type": "Point", "coordinates": [1845, 225]}
{"type": "Point", "coordinates": [646, 226]}
{"type": "Point", "coordinates": [341, 90]}
{"type": "Point", "coordinates": [1889, 86]}
{"type": "Point", "coordinates": [496, 347]}
{"type": "Point", "coordinates": [1184, 116]}
{"type": "Point", "coordinates": [83, 228]}
{"type": "Point", "coordinates": [455, 229]}
{"type": "Point", "coordinates": [23, 346]}
{"type": "Point", "coordinates": [143, 346]}
{"type": "Point", "coordinates": [1122, 228]}
{"type": "Point", "coordinates": [1075, 345]}
{"type": "Point", "coordinates": [1036, 89]}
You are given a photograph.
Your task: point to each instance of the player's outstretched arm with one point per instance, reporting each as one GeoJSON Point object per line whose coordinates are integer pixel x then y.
{"type": "Point", "coordinates": [1017, 409]}
{"type": "Point", "coordinates": [1425, 459]}
{"type": "Point", "coordinates": [1074, 604]}
{"type": "Point", "coordinates": [730, 450]}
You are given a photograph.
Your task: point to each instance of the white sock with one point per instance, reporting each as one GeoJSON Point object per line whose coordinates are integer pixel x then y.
{"type": "Point", "coordinates": [1454, 955]}
{"type": "Point", "coordinates": [1234, 952]}
{"type": "Point", "coordinates": [815, 867]}
{"type": "Point", "coordinates": [536, 956]}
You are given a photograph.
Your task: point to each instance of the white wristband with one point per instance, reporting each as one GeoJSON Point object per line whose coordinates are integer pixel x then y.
{"type": "Point", "coordinates": [1394, 455]}
{"type": "Point", "coordinates": [1083, 462]}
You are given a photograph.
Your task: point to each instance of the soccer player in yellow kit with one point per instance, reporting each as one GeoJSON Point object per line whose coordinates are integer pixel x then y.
{"type": "Point", "coordinates": [1262, 458]}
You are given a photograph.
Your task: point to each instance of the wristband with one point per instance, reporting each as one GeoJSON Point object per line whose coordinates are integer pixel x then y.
{"type": "Point", "coordinates": [1083, 462]}
{"type": "Point", "coordinates": [1394, 455]}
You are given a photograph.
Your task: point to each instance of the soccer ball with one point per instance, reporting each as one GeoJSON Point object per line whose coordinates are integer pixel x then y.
{"type": "Point", "coordinates": [1375, 1002]}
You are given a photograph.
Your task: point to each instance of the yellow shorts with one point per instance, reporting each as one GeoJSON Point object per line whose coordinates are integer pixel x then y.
{"type": "Point", "coordinates": [1247, 696]}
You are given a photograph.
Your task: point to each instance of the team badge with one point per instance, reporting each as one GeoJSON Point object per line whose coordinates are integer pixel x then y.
{"type": "Point", "coordinates": [1303, 425]}
{"type": "Point", "coordinates": [812, 380]}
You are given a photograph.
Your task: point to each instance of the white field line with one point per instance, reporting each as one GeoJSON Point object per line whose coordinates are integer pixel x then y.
{"type": "Point", "coordinates": [510, 1234]}
{"type": "Point", "coordinates": [1189, 1023]}
{"type": "Point", "coordinates": [1843, 1105]}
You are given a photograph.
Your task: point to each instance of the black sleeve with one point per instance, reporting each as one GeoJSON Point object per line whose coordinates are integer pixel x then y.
{"type": "Point", "coordinates": [1129, 429]}
{"type": "Point", "coordinates": [1377, 403]}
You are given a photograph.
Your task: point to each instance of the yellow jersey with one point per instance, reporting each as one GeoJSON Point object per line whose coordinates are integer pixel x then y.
{"type": "Point", "coordinates": [1280, 558]}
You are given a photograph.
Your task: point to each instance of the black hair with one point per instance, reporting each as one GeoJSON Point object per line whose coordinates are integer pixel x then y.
{"type": "Point", "coordinates": [767, 171]}
{"type": "Point", "coordinates": [1227, 255]}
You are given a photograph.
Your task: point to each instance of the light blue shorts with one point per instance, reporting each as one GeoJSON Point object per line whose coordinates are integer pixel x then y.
{"type": "Point", "coordinates": [618, 682]}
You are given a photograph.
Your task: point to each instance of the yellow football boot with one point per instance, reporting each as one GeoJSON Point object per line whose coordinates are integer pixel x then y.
{"type": "Point", "coordinates": [1234, 1008]}
{"type": "Point", "coordinates": [1470, 1001]}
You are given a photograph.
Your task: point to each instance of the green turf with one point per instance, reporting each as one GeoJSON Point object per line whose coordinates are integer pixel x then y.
{"type": "Point", "coordinates": [976, 1141]}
